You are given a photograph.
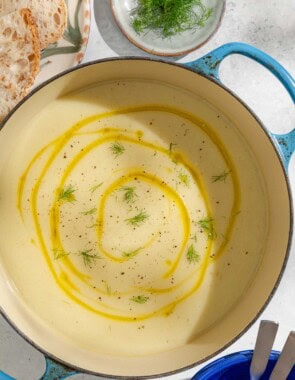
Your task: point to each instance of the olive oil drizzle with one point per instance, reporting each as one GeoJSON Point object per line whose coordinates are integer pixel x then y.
{"type": "Point", "coordinates": [169, 192]}
{"type": "Point", "coordinates": [62, 279]}
{"type": "Point", "coordinates": [23, 178]}
{"type": "Point", "coordinates": [54, 213]}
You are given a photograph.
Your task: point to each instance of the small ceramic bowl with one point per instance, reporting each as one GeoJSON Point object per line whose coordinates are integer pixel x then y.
{"type": "Point", "coordinates": [153, 43]}
{"type": "Point", "coordinates": [237, 366]}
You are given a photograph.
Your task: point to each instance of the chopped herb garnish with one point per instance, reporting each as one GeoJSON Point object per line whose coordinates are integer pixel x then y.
{"type": "Point", "coordinates": [171, 154]}
{"type": "Point", "coordinates": [192, 255]}
{"type": "Point", "coordinates": [171, 147]}
{"type": "Point", "coordinates": [137, 219]}
{"type": "Point", "coordinates": [117, 148]}
{"type": "Point", "coordinates": [139, 299]}
{"type": "Point", "coordinates": [220, 177]}
{"type": "Point", "coordinates": [94, 188]}
{"type": "Point", "coordinates": [130, 254]}
{"type": "Point", "coordinates": [59, 253]}
{"type": "Point", "coordinates": [88, 258]}
{"type": "Point", "coordinates": [224, 237]}
{"type": "Point", "coordinates": [169, 17]}
{"type": "Point", "coordinates": [109, 290]}
{"type": "Point", "coordinates": [89, 212]}
{"type": "Point", "coordinates": [184, 179]}
{"type": "Point", "coordinates": [208, 226]}
{"type": "Point", "coordinates": [129, 194]}
{"type": "Point", "coordinates": [67, 194]}
{"type": "Point", "coordinates": [194, 237]}
{"type": "Point", "coordinates": [93, 225]}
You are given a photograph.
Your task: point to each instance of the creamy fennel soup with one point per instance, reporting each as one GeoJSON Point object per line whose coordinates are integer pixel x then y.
{"type": "Point", "coordinates": [133, 221]}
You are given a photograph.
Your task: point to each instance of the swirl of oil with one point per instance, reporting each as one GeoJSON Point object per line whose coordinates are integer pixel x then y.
{"type": "Point", "coordinates": [150, 178]}
{"type": "Point", "coordinates": [169, 192]}
{"type": "Point", "coordinates": [63, 280]}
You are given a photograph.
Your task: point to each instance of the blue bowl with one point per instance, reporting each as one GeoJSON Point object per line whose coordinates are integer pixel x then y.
{"type": "Point", "coordinates": [237, 367]}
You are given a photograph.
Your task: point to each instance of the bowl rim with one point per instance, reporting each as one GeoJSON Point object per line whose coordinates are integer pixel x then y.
{"type": "Point", "coordinates": [290, 233]}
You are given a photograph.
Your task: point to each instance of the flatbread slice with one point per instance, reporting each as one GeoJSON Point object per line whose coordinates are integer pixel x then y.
{"type": "Point", "coordinates": [19, 57]}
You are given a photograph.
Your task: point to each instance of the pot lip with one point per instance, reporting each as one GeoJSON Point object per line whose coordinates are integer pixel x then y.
{"type": "Point", "coordinates": [290, 234]}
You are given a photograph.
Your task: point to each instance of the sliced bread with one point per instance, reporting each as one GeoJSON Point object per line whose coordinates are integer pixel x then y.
{"type": "Point", "coordinates": [19, 57]}
{"type": "Point", "coordinates": [51, 19]}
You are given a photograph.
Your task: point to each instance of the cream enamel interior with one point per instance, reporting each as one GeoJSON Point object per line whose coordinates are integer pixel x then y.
{"type": "Point", "coordinates": [222, 307]}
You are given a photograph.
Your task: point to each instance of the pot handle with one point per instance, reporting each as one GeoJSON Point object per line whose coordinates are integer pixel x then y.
{"type": "Point", "coordinates": [55, 370]}
{"type": "Point", "coordinates": [209, 65]}
{"type": "Point", "coordinates": [4, 376]}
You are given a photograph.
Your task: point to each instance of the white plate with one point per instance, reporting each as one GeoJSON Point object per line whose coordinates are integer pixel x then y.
{"type": "Point", "coordinates": [70, 49]}
{"type": "Point", "coordinates": [179, 44]}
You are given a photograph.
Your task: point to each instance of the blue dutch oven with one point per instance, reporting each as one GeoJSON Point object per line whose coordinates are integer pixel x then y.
{"type": "Point", "coordinates": [273, 154]}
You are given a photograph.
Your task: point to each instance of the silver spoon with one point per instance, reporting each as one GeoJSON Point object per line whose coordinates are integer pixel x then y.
{"type": "Point", "coordinates": [264, 342]}
{"type": "Point", "coordinates": [286, 360]}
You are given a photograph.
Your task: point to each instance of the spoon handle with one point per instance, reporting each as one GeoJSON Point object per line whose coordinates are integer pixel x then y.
{"type": "Point", "coordinates": [264, 342]}
{"type": "Point", "coordinates": [286, 360]}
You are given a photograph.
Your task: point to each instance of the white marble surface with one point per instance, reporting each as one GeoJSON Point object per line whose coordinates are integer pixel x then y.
{"type": "Point", "coordinates": [266, 24]}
